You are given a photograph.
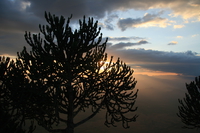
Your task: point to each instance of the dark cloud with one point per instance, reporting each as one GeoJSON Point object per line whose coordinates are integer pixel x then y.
{"type": "Point", "coordinates": [123, 24]}
{"type": "Point", "coordinates": [143, 42]}
{"type": "Point", "coordinates": [109, 26]}
{"type": "Point", "coordinates": [147, 20]}
{"type": "Point", "coordinates": [107, 22]}
{"type": "Point", "coordinates": [78, 8]}
{"type": "Point", "coordinates": [15, 18]}
{"type": "Point", "coordinates": [173, 43]}
{"type": "Point", "coordinates": [12, 43]}
{"type": "Point", "coordinates": [190, 53]}
{"type": "Point", "coordinates": [31, 11]}
{"type": "Point", "coordinates": [124, 38]}
{"type": "Point", "coordinates": [111, 17]}
{"type": "Point", "coordinates": [186, 63]}
{"type": "Point", "coordinates": [25, 14]}
{"type": "Point", "coordinates": [122, 45]}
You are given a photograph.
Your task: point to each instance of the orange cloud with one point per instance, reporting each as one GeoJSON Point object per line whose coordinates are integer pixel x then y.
{"type": "Point", "coordinates": [156, 73]}
{"type": "Point", "coordinates": [179, 37]}
{"type": "Point", "coordinates": [178, 26]}
{"type": "Point", "coordinates": [173, 43]}
{"type": "Point", "coordinates": [141, 71]}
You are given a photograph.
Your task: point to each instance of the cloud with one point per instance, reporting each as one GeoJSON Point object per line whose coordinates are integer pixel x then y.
{"type": "Point", "coordinates": [186, 9]}
{"type": "Point", "coordinates": [184, 63]}
{"type": "Point", "coordinates": [179, 36]}
{"type": "Point", "coordinates": [124, 38]}
{"type": "Point", "coordinates": [22, 15]}
{"type": "Point", "coordinates": [122, 45]}
{"type": "Point", "coordinates": [195, 35]}
{"type": "Point", "coordinates": [25, 5]}
{"type": "Point", "coordinates": [148, 20]}
{"type": "Point", "coordinates": [178, 26]}
{"type": "Point", "coordinates": [107, 22]}
{"type": "Point", "coordinates": [173, 43]}
{"type": "Point", "coordinates": [15, 18]}
{"type": "Point", "coordinates": [106, 26]}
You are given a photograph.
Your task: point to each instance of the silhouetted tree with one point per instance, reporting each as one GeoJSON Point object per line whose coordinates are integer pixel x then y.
{"type": "Point", "coordinates": [11, 117]}
{"type": "Point", "coordinates": [189, 111]}
{"type": "Point", "coordinates": [67, 72]}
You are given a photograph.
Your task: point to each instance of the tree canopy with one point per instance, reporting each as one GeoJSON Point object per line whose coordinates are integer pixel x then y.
{"type": "Point", "coordinates": [67, 72]}
{"type": "Point", "coordinates": [12, 93]}
{"type": "Point", "coordinates": [190, 105]}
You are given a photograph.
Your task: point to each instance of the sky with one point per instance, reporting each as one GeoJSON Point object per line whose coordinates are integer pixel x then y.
{"type": "Point", "coordinates": [159, 39]}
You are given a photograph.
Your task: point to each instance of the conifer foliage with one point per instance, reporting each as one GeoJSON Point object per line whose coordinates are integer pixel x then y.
{"type": "Point", "coordinates": [13, 97]}
{"type": "Point", "coordinates": [67, 72]}
{"type": "Point", "coordinates": [190, 106]}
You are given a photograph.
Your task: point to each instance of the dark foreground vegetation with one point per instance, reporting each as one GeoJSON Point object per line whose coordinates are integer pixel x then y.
{"type": "Point", "coordinates": [189, 109]}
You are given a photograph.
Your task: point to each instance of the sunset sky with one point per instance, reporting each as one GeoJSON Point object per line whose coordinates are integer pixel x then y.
{"type": "Point", "coordinates": [159, 39]}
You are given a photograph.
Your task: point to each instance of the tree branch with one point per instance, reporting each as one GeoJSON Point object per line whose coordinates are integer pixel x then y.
{"type": "Point", "coordinates": [89, 117]}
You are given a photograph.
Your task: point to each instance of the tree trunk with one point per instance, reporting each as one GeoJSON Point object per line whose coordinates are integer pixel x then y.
{"type": "Point", "coordinates": [70, 130]}
{"type": "Point", "coordinates": [70, 120]}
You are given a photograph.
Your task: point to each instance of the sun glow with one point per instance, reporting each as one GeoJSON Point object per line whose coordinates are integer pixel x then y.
{"type": "Point", "coordinates": [105, 65]}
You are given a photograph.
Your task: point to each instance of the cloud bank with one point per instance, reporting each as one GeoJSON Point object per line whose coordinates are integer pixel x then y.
{"type": "Point", "coordinates": [124, 38]}
{"type": "Point", "coordinates": [123, 45]}
{"type": "Point", "coordinates": [23, 14]}
{"type": "Point", "coordinates": [183, 63]}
